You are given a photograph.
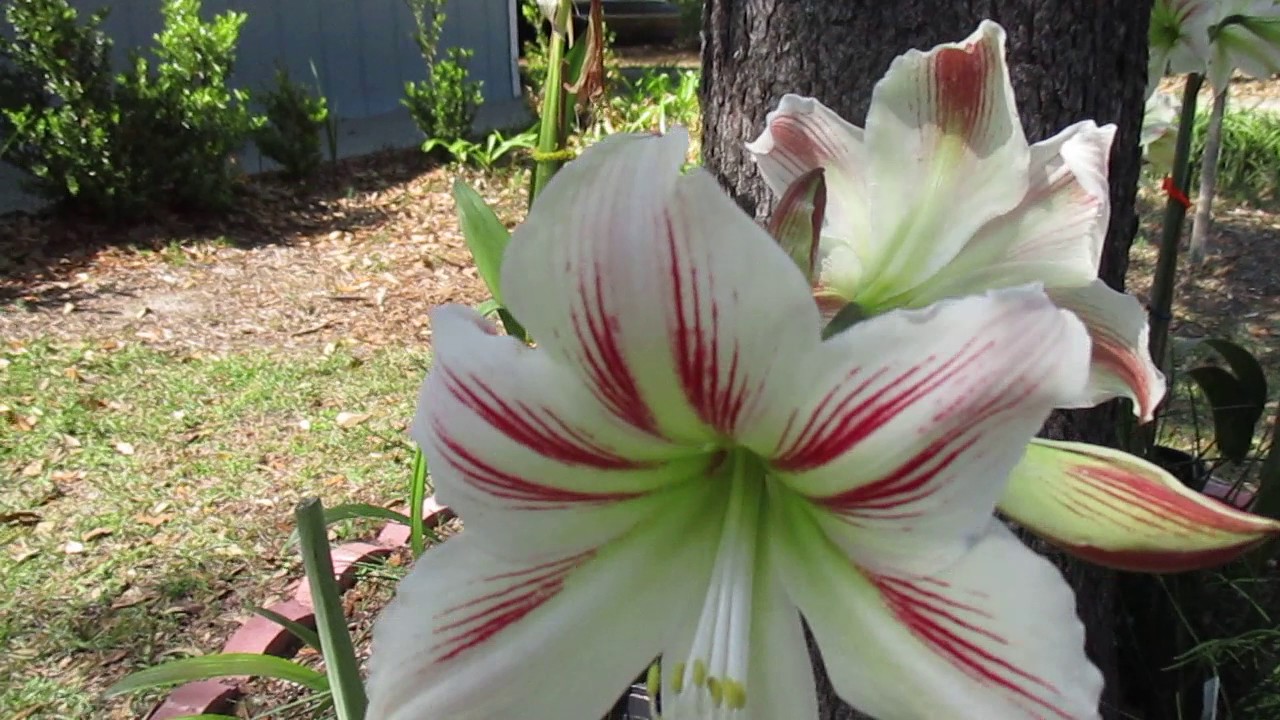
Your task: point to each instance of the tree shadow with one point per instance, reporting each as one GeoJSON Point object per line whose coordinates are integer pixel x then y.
{"type": "Point", "coordinates": [37, 250]}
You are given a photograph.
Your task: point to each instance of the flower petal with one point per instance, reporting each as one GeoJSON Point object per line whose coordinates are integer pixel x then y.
{"type": "Point", "coordinates": [993, 636]}
{"type": "Point", "coordinates": [904, 428]}
{"type": "Point", "coordinates": [473, 637]}
{"type": "Point", "coordinates": [797, 221]}
{"type": "Point", "coordinates": [1122, 364]}
{"type": "Point", "coordinates": [942, 132]}
{"type": "Point", "coordinates": [803, 135]}
{"type": "Point", "coordinates": [746, 657]}
{"type": "Point", "coordinates": [647, 283]}
{"type": "Point", "coordinates": [1054, 236]}
{"type": "Point", "coordinates": [1118, 510]}
{"type": "Point", "coordinates": [519, 447]}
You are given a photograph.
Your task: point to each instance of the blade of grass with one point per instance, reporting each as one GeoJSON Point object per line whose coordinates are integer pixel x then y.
{"type": "Point", "coordinates": [349, 698]}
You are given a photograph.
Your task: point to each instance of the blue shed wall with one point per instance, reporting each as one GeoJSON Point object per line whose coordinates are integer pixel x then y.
{"type": "Point", "coordinates": [363, 50]}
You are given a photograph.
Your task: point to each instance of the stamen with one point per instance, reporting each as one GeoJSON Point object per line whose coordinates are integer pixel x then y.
{"type": "Point", "coordinates": [718, 660]}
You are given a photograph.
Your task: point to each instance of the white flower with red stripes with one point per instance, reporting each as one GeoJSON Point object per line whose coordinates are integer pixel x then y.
{"type": "Point", "coordinates": [683, 469]}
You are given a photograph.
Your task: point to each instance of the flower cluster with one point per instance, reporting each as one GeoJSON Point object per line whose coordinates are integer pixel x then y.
{"type": "Point", "coordinates": [687, 464]}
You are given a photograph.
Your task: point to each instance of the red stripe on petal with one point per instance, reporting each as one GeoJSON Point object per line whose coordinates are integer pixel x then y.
{"type": "Point", "coordinates": [1155, 561]}
{"type": "Point", "coordinates": [538, 429]}
{"type": "Point", "coordinates": [1167, 504]}
{"type": "Point", "coordinates": [956, 631]}
{"type": "Point", "coordinates": [959, 79]}
{"type": "Point", "coordinates": [855, 417]}
{"type": "Point", "coordinates": [713, 384]}
{"type": "Point", "coordinates": [498, 483]}
{"type": "Point", "coordinates": [612, 380]}
{"type": "Point", "coordinates": [466, 626]}
{"type": "Point", "coordinates": [1119, 357]}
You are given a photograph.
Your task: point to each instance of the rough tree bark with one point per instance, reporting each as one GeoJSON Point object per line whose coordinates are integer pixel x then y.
{"type": "Point", "coordinates": [1069, 59]}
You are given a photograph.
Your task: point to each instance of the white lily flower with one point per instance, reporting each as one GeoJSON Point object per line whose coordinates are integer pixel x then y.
{"type": "Point", "coordinates": [1160, 130]}
{"type": "Point", "coordinates": [683, 469]}
{"type": "Point", "coordinates": [557, 12]}
{"type": "Point", "coordinates": [1179, 38]}
{"type": "Point", "coordinates": [941, 196]}
{"type": "Point", "coordinates": [1245, 37]}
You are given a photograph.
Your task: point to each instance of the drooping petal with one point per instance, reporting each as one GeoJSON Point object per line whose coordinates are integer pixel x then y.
{"type": "Point", "coordinates": [1118, 510]}
{"type": "Point", "coordinates": [508, 430]}
{"type": "Point", "coordinates": [473, 637]}
{"type": "Point", "coordinates": [745, 658]}
{"type": "Point", "coordinates": [1122, 364]}
{"type": "Point", "coordinates": [1054, 236]}
{"type": "Point", "coordinates": [1248, 39]}
{"type": "Point", "coordinates": [647, 284]}
{"type": "Point", "coordinates": [803, 135]}
{"type": "Point", "coordinates": [992, 636]}
{"type": "Point", "coordinates": [797, 221]}
{"type": "Point", "coordinates": [903, 428]}
{"type": "Point", "coordinates": [942, 132]}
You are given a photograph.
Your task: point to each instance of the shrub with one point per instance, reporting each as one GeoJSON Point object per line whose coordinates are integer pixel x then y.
{"type": "Point", "coordinates": [291, 133]}
{"type": "Point", "coordinates": [183, 121]}
{"type": "Point", "coordinates": [120, 145]}
{"type": "Point", "coordinates": [57, 104]}
{"type": "Point", "coordinates": [1249, 162]}
{"type": "Point", "coordinates": [444, 105]}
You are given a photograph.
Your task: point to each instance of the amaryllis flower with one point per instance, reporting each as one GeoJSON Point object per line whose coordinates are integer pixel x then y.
{"type": "Point", "coordinates": [683, 469]}
{"type": "Point", "coordinates": [1245, 37]}
{"type": "Point", "coordinates": [1179, 38]}
{"type": "Point", "coordinates": [940, 197]}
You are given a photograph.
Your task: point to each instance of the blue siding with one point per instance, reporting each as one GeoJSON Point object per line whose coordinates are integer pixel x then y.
{"type": "Point", "coordinates": [362, 50]}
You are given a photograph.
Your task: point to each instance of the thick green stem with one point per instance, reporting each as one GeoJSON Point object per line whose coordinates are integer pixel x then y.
{"type": "Point", "coordinates": [349, 699]}
{"type": "Point", "coordinates": [1175, 211]}
{"type": "Point", "coordinates": [417, 495]}
{"type": "Point", "coordinates": [1203, 224]}
{"type": "Point", "coordinates": [551, 130]}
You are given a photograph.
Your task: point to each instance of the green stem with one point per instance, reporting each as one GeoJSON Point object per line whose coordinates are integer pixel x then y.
{"type": "Point", "coordinates": [551, 131]}
{"type": "Point", "coordinates": [349, 699]}
{"type": "Point", "coordinates": [1171, 232]}
{"type": "Point", "coordinates": [417, 495]}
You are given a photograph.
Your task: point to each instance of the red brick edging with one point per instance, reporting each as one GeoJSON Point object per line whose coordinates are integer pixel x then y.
{"type": "Point", "coordinates": [262, 636]}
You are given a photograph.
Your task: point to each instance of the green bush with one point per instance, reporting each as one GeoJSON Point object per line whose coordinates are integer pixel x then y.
{"type": "Point", "coordinates": [183, 121]}
{"type": "Point", "coordinates": [291, 134]}
{"type": "Point", "coordinates": [119, 145]}
{"type": "Point", "coordinates": [444, 105]}
{"type": "Point", "coordinates": [57, 104]}
{"type": "Point", "coordinates": [1249, 163]}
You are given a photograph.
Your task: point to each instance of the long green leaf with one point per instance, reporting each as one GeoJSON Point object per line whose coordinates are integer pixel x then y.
{"type": "Point", "coordinates": [355, 511]}
{"type": "Point", "coordinates": [417, 495]}
{"type": "Point", "coordinates": [209, 667]}
{"type": "Point", "coordinates": [485, 234]}
{"type": "Point", "coordinates": [297, 629]}
{"type": "Point", "coordinates": [349, 698]}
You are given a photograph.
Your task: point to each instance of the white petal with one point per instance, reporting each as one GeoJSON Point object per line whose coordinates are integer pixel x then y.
{"type": "Point", "coordinates": [803, 135]}
{"type": "Point", "coordinates": [517, 444]}
{"type": "Point", "coordinates": [746, 657]}
{"type": "Point", "coordinates": [1122, 364]}
{"type": "Point", "coordinates": [993, 636]}
{"type": "Point", "coordinates": [472, 637]}
{"type": "Point", "coordinates": [903, 429]}
{"type": "Point", "coordinates": [648, 284]}
{"type": "Point", "coordinates": [942, 133]}
{"type": "Point", "coordinates": [1054, 236]}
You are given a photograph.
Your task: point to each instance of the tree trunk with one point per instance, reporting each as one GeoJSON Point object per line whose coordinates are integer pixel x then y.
{"type": "Point", "coordinates": [1070, 60]}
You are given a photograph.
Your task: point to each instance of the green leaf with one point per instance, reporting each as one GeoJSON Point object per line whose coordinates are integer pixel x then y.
{"type": "Point", "coordinates": [1237, 397]}
{"type": "Point", "coordinates": [297, 629]}
{"type": "Point", "coordinates": [340, 662]}
{"type": "Point", "coordinates": [417, 496]}
{"type": "Point", "coordinates": [486, 236]}
{"type": "Point", "coordinates": [209, 667]}
{"type": "Point", "coordinates": [355, 511]}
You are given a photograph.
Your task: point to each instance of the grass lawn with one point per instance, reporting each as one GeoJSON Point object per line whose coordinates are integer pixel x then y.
{"type": "Point", "coordinates": [151, 494]}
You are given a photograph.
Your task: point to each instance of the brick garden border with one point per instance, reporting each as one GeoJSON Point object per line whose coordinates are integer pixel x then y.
{"type": "Point", "coordinates": [262, 636]}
